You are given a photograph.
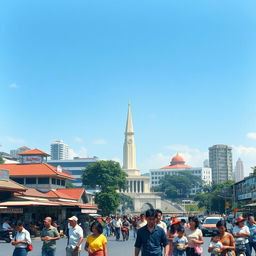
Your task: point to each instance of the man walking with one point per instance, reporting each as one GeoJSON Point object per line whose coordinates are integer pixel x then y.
{"type": "Point", "coordinates": [151, 239]}
{"type": "Point", "coordinates": [75, 237]}
{"type": "Point", "coordinates": [117, 225]}
{"type": "Point", "coordinates": [49, 235]}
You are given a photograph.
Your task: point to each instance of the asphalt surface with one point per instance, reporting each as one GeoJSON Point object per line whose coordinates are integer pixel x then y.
{"type": "Point", "coordinates": [116, 248]}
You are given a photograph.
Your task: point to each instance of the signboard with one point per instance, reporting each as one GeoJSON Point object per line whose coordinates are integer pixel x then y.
{"type": "Point", "coordinates": [11, 210]}
{"type": "Point", "coordinates": [88, 211]}
{"type": "Point", "coordinates": [32, 159]}
{"type": "Point", "coordinates": [4, 174]}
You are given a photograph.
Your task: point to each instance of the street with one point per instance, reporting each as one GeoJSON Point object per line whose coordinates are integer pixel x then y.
{"type": "Point", "coordinates": [116, 248]}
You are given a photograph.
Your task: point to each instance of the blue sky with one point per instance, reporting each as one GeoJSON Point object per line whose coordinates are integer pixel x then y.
{"type": "Point", "coordinates": [69, 68]}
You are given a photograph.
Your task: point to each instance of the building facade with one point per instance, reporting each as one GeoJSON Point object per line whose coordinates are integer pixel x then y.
{"type": "Point", "coordinates": [239, 171]}
{"type": "Point", "coordinates": [178, 166]}
{"type": "Point", "coordinates": [75, 167]}
{"type": "Point", "coordinates": [59, 150]}
{"type": "Point", "coordinates": [15, 152]}
{"type": "Point", "coordinates": [220, 160]}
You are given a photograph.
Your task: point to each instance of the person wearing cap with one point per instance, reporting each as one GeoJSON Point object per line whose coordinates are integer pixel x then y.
{"type": "Point", "coordinates": [241, 231]}
{"type": "Point", "coordinates": [172, 233]}
{"type": "Point", "coordinates": [49, 235]}
{"type": "Point", "coordinates": [75, 237]}
{"type": "Point", "coordinates": [159, 221]}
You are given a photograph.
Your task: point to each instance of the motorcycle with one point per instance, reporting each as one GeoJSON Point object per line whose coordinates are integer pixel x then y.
{"type": "Point", "coordinates": [240, 247]}
{"type": "Point", "coordinates": [6, 235]}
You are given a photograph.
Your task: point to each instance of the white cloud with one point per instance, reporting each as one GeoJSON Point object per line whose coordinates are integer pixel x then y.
{"type": "Point", "coordinates": [15, 140]}
{"type": "Point", "coordinates": [82, 152]}
{"type": "Point", "coordinates": [99, 142]}
{"type": "Point", "coordinates": [251, 135]}
{"type": "Point", "coordinates": [78, 139]}
{"type": "Point", "coordinates": [14, 86]}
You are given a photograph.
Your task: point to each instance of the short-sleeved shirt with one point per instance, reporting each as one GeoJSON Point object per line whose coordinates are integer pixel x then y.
{"type": "Point", "coordinates": [162, 225]}
{"type": "Point", "coordinates": [50, 232]}
{"type": "Point", "coordinates": [244, 229]}
{"type": "Point", "coordinates": [151, 243]}
{"type": "Point", "coordinates": [193, 234]}
{"type": "Point", "coordinates": [252, 229]}
{"type": "Point", "coordinates": [216, 246]}
{"type": "Point", "coordinates": [96, 243]}
{"type": "Point", "coordinates": [180, 241]}
{"type": "Point", "coordinates": [74, 235]}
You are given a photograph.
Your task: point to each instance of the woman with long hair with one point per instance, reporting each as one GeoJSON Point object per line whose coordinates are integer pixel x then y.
{"type": "Point", "coordinates": [96, 244]}
{"type": "Point", "coordinates": [227, 240]}
{"type": "Point", "coordinates": [21, 240]}
{"type": "Point", "coordinates": [195, 237]}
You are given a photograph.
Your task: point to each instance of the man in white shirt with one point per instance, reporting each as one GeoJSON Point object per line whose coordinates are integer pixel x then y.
{"type": "Point", "coordinates": [241, 233]}
{"type": "Point", "coordinates": [117, 223]}
{"type": "Point", "coordinates": [159, 221]}
{"type": "Point", "coordinates": [142, 222]}
{"type": "Point", "coordinates": [6, 225]}
{"type": "Point", "coordinates": [75, 237]}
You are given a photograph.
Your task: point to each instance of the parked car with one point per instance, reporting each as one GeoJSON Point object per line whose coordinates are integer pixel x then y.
{"type": "Point", "coordinates": [6, 235]}
{"type": "Point", "coordinates": [209, 225]}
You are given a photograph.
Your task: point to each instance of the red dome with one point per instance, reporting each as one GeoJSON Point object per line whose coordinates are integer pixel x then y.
{"type": "Point", "coordinates": [177, 158]}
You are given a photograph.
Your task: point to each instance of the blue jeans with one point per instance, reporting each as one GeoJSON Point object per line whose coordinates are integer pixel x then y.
{"type": "Point", "coordinates": [20, 252]}
{"type": "Point", "coordinates": [252, 245]}
{"type": "Point", "coordinates": [118, 232]}
{"type": "Point", "coordinates": [48, 252]}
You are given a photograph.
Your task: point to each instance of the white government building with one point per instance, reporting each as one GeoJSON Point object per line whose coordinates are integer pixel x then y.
{"type": "Point", "coordinates": [176, 166]}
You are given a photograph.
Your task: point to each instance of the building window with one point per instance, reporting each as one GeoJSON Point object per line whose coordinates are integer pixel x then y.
{"type": "Point", "coordinates": [53, 181]}
{"type": "Point", "coordinates": [18, 180]}
{"type": "Point", "coordinates": [62, 182]}
{"type": "Point", "coordinates": [58, 182]}
{"type": "Point", "coordinates": [43, 181]}
{"type": "Point", "coordinates": [30, 180]}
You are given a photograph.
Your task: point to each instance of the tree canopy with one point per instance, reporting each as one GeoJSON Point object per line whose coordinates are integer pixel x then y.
{"type": "Point", "coordinates": [108, 177]}
{"type": "Point", "coordinates": [1, 160]}
{"type": "Point", "coordinates": [178, 186]}
{"type": "Point", "coordinates": [214, 197]}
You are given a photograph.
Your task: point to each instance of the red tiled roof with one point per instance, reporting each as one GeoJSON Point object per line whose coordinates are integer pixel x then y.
{"type": "Point", "coordinates": [75, 193]}
{"type": "Point", "coordinates": [32, 192]}
{"type": "Point", "coordinates": [58, 194]}
{"type": "Point", "coordinates": [33, 152]}
{"type": "Point", "coordinates": [10, 185]}
{"type": "Point", "coordinates": [43, 169]}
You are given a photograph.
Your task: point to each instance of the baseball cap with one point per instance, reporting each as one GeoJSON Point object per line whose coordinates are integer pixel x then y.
{"type": "Point", "coordinates": [73, 218]}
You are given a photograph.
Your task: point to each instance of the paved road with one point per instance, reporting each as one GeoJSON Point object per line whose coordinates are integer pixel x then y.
{"type": "Point", "coordinates": [116, 248]}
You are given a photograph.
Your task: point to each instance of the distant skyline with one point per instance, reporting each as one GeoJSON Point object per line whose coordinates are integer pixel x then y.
{"type": "Point", "coordinates": [68, 71]}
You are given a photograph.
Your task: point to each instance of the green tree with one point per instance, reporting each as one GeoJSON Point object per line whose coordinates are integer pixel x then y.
{"type": "Point", "coordinates": [105, 175]}
{"type": "Point", "coordinates": [126, 202]}
{"type": "Point", "coordinates": [214, 197]}
{"type": "Point", "coordinates": [69, 185]}
{"type": "Point", "coordinates": [1, 160]}
{"type": "Point", "coordinates": [178, 186]}
{"type": "Point", "coordinates": [108, 202]}
{"type": "Point", "coordinates": [108, 177]}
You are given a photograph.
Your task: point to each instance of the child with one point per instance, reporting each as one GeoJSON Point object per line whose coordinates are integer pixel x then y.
{"type": "Point", "coordinates": [180, 243]}
{"type": "Point", "coordinates": [215, 245]}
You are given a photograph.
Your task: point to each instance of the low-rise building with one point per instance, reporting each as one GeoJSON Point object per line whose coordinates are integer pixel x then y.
{"type": "Point", "coordinates": [178, 166]}
{"type": "Point", "coordinates": [75, 167]}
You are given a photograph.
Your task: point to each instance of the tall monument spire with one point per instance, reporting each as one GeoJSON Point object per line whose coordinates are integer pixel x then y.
{"type": "Point", "coordinates": [129, 150]}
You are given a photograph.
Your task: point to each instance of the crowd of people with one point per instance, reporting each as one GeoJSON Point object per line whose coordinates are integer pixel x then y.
{"type": "Point", "coordinates": [153, 236]}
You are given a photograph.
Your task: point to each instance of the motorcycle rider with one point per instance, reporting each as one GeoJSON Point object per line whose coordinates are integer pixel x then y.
{"type": "Point", "coordinates": [241, 233]}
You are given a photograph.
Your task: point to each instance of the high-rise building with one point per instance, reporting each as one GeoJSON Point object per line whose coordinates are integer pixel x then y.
{"type": "Point", "coordinates": [59, 150]}
{"type": "Point", "coordinates": [15, 152]}
{"type": "Point", "coordinates": [220, 160]}
{"type": "Point", "coordinates": [239, 170]}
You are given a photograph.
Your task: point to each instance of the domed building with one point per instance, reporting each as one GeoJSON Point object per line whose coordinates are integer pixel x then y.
{"type": "Point", "coordinates": [176, 167]}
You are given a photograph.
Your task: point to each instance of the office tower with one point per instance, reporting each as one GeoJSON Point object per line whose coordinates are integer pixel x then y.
{"type": "Point", "coordinates": [239, 170]}
{"type": "Point", "coordinates": [220, 160]}
{"type": "Point", "coordinates": [59, 150]}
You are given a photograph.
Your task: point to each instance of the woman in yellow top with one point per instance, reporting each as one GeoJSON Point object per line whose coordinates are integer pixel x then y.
{"type": "Point", "coordinates": [96, 244]}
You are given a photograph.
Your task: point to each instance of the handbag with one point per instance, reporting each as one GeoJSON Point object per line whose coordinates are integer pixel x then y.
{"type": "Point", "coordinates": [198, 249]}
{"type": "Point", "coordinates": [29, 247]}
